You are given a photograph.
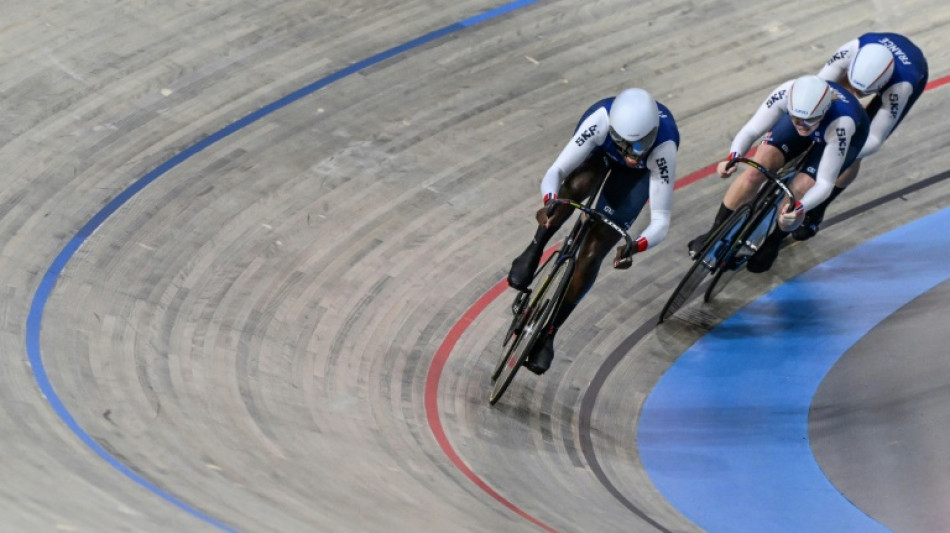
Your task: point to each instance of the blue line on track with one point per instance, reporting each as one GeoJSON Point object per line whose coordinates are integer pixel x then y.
{"type": "Point", "coordinates": [724, 435]}
{"type": "Point", "coordinates": [41, 296]}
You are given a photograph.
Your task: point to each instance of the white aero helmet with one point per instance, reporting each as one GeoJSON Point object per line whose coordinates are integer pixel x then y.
{"type": "Point", "coordinates": [871, 68]}
{"type": "Point", "coordinates": [809, 98]}
{"type": "Point", "coordinates": [634, 121]}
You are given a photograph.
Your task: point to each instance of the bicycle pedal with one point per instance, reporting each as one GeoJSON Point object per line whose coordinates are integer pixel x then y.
{"type": "Point", "coordinates": [521, 301]}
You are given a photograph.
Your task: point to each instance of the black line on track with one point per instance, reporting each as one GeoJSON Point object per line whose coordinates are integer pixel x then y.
{"type": "Point", "coordinates": [587, 408]}
{"type": "Point", "coordinates": [896, 195]}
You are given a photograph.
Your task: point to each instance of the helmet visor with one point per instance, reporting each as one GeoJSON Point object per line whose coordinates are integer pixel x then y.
{"type": "Point", "coordinates": [807, 122]}
{"type": "Point", "coordinates": [634, 148]}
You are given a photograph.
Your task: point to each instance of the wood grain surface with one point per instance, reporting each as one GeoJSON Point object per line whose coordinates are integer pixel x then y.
{"type": "Point", "coordinates": [251, 334]}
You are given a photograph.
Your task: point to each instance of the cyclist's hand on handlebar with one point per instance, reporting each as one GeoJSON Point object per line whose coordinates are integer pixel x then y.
{"type": "Point", "coordinates": [550, 205]}
{"type": "Point", "coordinates": [545, 213]}
{"type": "Point", "coordinates": [728, 167]}
{"type": "Point", "coordinates": [790, 220]}
{"type": "Point", "coordinates": [624, 258]}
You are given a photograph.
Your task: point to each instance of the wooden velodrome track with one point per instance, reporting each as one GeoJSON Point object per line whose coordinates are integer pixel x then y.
{"type": "Point", "coordinates": [290, 326]}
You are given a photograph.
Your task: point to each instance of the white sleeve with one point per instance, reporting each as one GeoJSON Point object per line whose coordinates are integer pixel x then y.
{"type": "Point", "coordinates": [589, 135]}
{"type": "Point", "coordinates": [766, 116]}
{"type": "Point", "coordinates": [662, 166]}
{"type": "Point", "coordinates": [836, 69]}
{"type": "Point", "coordinates": [893, 103]}
{"type": "Point", "coordinates": [837, 138]}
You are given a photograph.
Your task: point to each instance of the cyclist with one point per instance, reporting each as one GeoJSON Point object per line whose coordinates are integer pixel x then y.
{"type": "Point", "coordinates": [800, 111]}
{"type": "Point", "coordinates": [892, 69]}
{"type": "Point", "coordinates": [633, 137]}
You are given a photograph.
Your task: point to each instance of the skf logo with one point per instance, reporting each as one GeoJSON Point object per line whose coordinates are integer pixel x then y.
{"type": "Point", "coordinates": [838, 57]}
{"type": "Point", "coordinates": [842, 140]}
{"type": "Point", "coordinates": [584, 135]}
{"type": "Point", "coordinates": [780, 95]}
{"type": "Point", "coordinates": [664, 169]}
{"type": "Point", "coordinates": [894, 101]}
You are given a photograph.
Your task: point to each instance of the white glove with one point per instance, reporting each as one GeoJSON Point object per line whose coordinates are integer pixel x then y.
{"type": "Point", "coordinates": [790, 221]}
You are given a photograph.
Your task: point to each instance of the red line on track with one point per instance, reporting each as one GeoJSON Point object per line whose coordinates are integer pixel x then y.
{"type": "Point", "coordinates": [455, 333]}
{"type": "Point", "coordinates": [432, 398]}
{"type": "Point", "coordinates": [937, 83]}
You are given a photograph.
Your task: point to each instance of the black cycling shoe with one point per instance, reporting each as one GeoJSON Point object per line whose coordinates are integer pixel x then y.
{"type": "Point", "coordinates": [696, 245]}
{"type": "Point", "coordinates": [522, 268]}
{"type": "Point", "coordinates": [540, 359]}
{"type": "Point", "coordinates": [761, 260]}
{"type": "Point", "coordinates": [805, 231]}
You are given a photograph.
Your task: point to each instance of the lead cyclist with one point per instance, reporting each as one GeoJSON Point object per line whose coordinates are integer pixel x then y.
{"type": "Point", "coordinates": [636, 140]}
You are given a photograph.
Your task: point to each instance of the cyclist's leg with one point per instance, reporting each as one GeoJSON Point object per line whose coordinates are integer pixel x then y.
{"type": "Point", "coordinates": [742, 189]}
{"type": "Point", "coordinates": [762, 260]}
{"type": "Point", "coordinates": [623, 197]}
{"type": "Point", "coordinates": [785, 138]}
{"type": "Point", "coordinates": [577, 186]}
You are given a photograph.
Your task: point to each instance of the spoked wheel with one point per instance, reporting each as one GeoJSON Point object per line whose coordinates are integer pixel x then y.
{"type": "Point", "coordinates": [552, 283]}
{"type": "Point", "coordinates": [707, 261]}
{"type": "Point", "coordinates": [735, 257]}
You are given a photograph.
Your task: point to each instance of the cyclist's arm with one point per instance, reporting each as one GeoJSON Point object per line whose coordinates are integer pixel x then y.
{"type": "Point", "coordinates": [837, 138]}
{"type": "Point", "coordinates": [590, 134]}
{"type": "Point", "coordinates": [662, 166]}
{"type": "Point", "coordinates": [893, 103]}
{"type": "Point", "coordinates": [836, 69]}
{"type": "Point", "coordinates": [766, 116]}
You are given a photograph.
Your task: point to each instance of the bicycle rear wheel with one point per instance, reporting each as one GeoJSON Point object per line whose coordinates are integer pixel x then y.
{"type": "Point", "coordinates": [707, 262]}
{"type": "Point", "coordinates": [551, 287]}
{"type": "Point", "coordinates": [735, 257]}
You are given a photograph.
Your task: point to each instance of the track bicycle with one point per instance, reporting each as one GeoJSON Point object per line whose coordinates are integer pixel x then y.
{"type": "Point", "coordinates": [535, 308]}
{"type": "Point", "coordinates": [729, 246]}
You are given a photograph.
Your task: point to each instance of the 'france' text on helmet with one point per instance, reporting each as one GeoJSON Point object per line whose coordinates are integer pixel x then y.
{"type": "Point", "coordinates": [871, 68]}
{"type": "Point", "coordinates": [634, 121]}
{"type": "Point", "coordinates": [809, 98]}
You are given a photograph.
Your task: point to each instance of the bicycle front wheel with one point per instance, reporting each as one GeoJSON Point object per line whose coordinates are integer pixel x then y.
{"type": "Point", "coordinates": [694, 276]}
{"type": "Point", "coordinates": [524, 309]}
{"type": "Point", "coordinates": [551, 286]}
{"type": "Point", "coordinates": [707, 261]}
